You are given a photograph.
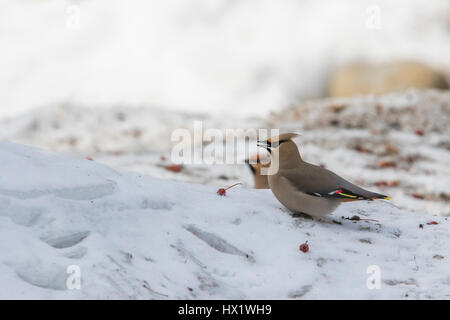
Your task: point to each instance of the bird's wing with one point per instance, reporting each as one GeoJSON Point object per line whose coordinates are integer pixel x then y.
{"type": "Point", "coordinates": [320, 182]}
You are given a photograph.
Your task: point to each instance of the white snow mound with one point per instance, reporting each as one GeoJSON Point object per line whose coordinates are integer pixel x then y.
{"type": "Point", "coordinates": [137, 237]}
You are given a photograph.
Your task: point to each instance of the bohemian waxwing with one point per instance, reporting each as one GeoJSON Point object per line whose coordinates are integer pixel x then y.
{"type": "Point", "coordinates": [255, 164]}
{"type": "Point", "coordinates": [306, 188]}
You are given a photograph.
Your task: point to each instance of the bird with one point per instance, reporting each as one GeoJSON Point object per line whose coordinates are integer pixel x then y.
{"type": "Point", "coordinates": [255, 164]}
{"type": "Point", "coordinates": [306, 188]}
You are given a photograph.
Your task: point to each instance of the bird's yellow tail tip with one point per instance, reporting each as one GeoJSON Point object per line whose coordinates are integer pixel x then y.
{"type": "Point", "coordinates": [387, 198]}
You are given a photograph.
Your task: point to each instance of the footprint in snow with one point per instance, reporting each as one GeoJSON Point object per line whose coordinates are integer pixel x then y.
{"type": "Point", "coordinates": [67, 240]}
{"type": "Point", "coordinates": [217, 243]}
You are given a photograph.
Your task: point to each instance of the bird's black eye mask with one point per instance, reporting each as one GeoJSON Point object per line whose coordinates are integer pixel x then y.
{"type": "Point", "coordinates": [276, 144]}
{"type": "Point", "coordinates": [269, 145]}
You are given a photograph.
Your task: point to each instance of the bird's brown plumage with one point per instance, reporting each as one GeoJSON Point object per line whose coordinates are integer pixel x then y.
{"type": "Point", "coordinates": [307, 188]}
{"type": "Point", "coordinates": [255, 164]}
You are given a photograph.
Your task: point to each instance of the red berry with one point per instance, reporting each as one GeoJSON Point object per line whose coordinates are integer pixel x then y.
{"type": "Point", "coordinates": [223, 191]}
{"type": "Point", "coordinates": [432, 222]}
{"type": "Point", "coordinates": [173, 167]}
{"type": "Point", "coordinates": [304, 247]}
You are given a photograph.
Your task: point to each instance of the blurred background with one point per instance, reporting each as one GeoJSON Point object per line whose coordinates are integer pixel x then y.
{"type": "Point", "coordinates": [366, 82]}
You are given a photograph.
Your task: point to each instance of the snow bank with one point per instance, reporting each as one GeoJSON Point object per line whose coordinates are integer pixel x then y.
{"type": "Point", "coordinates": [137, 237]}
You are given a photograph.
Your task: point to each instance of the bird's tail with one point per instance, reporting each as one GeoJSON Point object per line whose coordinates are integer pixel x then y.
{"type": "Point", "coordinates": [380, 196]}
{"type": "Point", "coordinates": [348, 195]}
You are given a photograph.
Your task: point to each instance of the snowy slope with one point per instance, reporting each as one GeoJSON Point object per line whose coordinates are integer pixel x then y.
{"type": "Point", "coordinates": [137, 237]}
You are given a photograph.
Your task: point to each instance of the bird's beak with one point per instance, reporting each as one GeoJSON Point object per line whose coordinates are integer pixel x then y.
{"type": "Point", "coordinates": [265, 145]}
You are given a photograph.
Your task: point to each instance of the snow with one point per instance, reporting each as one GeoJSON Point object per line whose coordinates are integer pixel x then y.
{"type": "Point", "coordinates": [139, 139]}
{"type": "Point", "coordinates": [205, 55]}
{"type": "Point", "coordinates": [116, 86]}
{"type": "Point", "coordinates": [139, 237]}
